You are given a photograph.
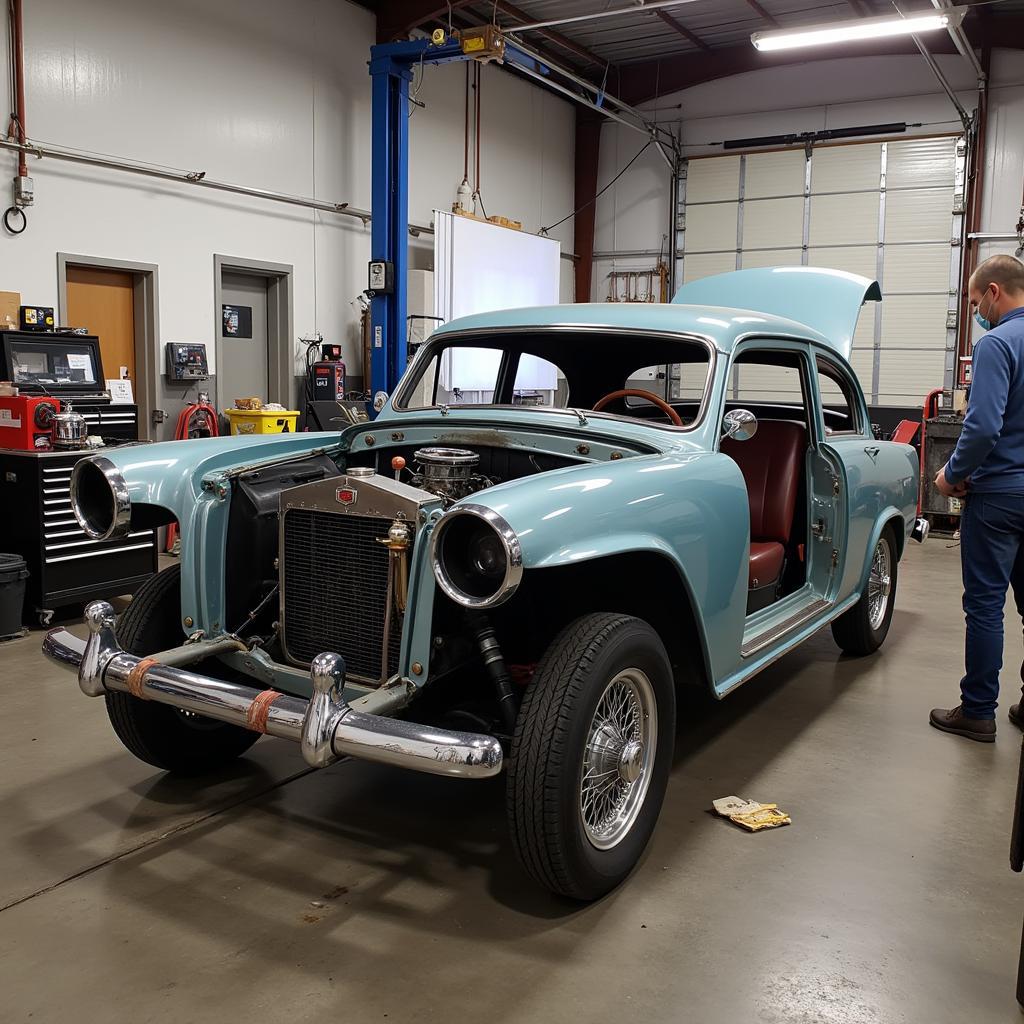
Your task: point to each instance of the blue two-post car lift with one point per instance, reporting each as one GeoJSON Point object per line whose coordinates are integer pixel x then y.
{"type": "Point", "coordinates": [392, 66]}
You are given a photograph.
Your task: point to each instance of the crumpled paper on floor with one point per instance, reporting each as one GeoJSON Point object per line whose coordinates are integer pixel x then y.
{"type": "Point", "coordinates": [750, 814]}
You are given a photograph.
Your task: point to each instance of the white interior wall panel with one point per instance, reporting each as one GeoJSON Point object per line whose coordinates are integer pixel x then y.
{"type": "Point", "coordinates": [771, 258]}
{"type": "Point", "coordinates": [715, 181]}
{"type": "Point", "coordinates": [768, 175]}
{"type": "Point", "coordinates": [706, 264]}
{"type": "Point", "coordinates": [881, 210]}
{"type": "Point", "coordinates": [773, 222]}
{"type": "Point", "coordinates": [854, 259]}
{"type": "Point", "coordinates": [846, 168]}
{"type": "Point", "coordinates": [844, 218]}
{"type": "Point", "coordinates": [268, 95]}
{"type": "Point", "coordinates": [711, 228]}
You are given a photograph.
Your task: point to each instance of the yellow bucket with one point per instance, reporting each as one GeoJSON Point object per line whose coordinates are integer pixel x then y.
{"type": "Point", "coordinates": [262, 421]}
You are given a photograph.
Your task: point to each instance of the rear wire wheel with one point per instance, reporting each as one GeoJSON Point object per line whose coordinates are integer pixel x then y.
{"type": "Point", "coordinates": [177, 741]}
{"type": "Point", "coordinates": [863, 629]}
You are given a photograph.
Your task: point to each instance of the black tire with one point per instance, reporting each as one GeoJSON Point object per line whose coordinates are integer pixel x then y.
{"type": "Point", "coordinates": [158, 734]}
{"type": "Point", "coordinates": [853, 631]}
{"type": "Point", "coordinates": [543, 795]}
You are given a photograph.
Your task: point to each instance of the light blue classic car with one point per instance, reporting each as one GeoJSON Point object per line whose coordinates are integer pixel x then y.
{"type": "Point", "coordinates": [561, 516]}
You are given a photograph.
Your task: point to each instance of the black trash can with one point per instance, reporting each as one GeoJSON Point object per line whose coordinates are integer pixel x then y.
{"type": "Point", "coordinates": [13, 573]}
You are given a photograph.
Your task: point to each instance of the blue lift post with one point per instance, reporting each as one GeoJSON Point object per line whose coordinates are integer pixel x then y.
{"type": "Point", "coordinates": [392, 66]}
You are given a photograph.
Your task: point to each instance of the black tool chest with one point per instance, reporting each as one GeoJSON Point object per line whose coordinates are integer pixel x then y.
{"type": "Point", "coordinates": [66, 567]}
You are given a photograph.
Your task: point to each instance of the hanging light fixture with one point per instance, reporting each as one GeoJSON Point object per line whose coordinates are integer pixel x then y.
{"type": "Point", "coordinates": [859, 28]}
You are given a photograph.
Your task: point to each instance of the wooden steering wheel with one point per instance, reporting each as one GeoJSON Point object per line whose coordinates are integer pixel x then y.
{"type": "Point", "coordinates": [637, 393]}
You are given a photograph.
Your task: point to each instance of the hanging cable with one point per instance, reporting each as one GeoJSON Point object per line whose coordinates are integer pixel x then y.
{"type": "Point", "coordinates": [601, 192]}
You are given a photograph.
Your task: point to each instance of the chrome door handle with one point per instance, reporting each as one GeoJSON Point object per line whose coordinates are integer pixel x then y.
{"type": "Point", "coordinates": [873, 451]}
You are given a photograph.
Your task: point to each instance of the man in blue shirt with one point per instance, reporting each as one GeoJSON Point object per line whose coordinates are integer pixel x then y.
{"type": "Point", "coordinates": [987, 470]}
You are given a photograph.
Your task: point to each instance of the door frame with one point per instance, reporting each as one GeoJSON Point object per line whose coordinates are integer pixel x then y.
{"type": "Point", "coordinates": [280, 320]}
{"type": "Point", "coordinates": [146, 296]}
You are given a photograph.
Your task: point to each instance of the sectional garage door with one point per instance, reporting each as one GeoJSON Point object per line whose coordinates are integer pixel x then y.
{"type": "Point", "coordinates": [886, 210]}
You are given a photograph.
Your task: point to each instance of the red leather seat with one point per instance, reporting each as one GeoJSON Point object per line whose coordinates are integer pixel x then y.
{"type": "Point", "coordinates": [771, 463]}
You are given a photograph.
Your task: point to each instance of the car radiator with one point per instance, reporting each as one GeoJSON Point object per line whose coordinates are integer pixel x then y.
{"type": "Point", "coordinates": [334, 596]}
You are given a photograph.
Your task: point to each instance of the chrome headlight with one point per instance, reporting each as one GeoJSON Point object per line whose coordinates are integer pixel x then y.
{"type": "Point", "coordinates": [477, 559]}
{"type": "Point", "coordinates": [99, 498]}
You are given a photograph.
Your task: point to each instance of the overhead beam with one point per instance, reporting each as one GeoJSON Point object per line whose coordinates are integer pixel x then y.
{"type": "Point", "coordinates": [563, 41]}
{"type": "Point", "coordinates": [397, 18]}
{"type": "Point", "coordinates": [682, 30]}
{"type": "Point", "coordinates": [762, 13]}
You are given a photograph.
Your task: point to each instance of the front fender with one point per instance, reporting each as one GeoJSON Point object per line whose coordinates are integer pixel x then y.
{"type": "Point", "coordinates": [691, 509]}
{"type": "Point", "coordinates": [170, 474]}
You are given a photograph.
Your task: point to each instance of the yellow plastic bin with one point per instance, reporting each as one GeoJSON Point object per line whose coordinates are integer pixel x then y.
{"type": "Point", "coordinates": [262, 421]}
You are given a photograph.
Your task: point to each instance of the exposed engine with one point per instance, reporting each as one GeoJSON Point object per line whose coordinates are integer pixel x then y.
{"type": "Point", "coordinates": [450, 473]}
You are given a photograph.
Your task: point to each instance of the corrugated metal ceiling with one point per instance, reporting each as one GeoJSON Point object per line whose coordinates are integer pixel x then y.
{"type": "Point", "coordinates": [716, 24]}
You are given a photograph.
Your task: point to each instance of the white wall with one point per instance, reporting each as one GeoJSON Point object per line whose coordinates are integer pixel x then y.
{"type": "Point", "coordinates": [634, 213]}
{"type": "Point", "coordinates": [261, 93]}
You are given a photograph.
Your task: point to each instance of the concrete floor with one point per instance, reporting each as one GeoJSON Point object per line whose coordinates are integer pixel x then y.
{"type": "Point", "coordinates": [361, 893]}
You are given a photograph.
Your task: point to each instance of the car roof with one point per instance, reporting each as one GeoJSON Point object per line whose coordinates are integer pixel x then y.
{"type": "Point", "coordinates": [816, 303]}
{"type": "Point", "coordinates": [723, 325]}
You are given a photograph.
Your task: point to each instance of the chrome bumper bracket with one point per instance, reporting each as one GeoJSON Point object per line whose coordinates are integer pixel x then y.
{"type": "Point", "coordinates": [326, 727]}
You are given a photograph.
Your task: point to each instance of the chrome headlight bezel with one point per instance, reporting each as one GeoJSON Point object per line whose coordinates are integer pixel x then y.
{"type": "Point", "coordinates": [509, 541]}
{"type": "Point", "coordinates": [116, 513]}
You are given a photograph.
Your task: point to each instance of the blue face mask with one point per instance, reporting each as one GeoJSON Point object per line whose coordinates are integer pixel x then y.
{"type": "Point", "coordinates": [983, 322]}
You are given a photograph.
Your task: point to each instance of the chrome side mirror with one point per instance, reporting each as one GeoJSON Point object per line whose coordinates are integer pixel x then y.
{"type": "Point", "coordinates": [739, 424]}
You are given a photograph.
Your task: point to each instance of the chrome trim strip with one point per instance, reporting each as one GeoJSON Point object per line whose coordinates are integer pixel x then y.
{"type": "Point", "coordinates": [326, 727]}
{"type": "Point", "coordinates": [120, 503]}
{"type": "Point", "coordinates": [97, 554]}
{"type": "Point", "coordinates": [763, 639]}
{"type": "Point", "coordinates": [509, 541]}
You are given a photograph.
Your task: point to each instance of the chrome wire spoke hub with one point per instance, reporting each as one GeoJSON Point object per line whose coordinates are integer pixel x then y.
{"type": "Point", "coordinates": [618, 758]}
{"type": "Point", "coordinates": [879, 585]}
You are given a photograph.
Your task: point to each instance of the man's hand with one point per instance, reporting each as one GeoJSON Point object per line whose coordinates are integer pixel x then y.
{"type": "Point", "coordinates": [943, 486]}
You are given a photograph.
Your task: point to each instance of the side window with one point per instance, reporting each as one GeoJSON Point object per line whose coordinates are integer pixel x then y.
{"type": "Point", "coordinates": [539, 382]}
{"type": "Point", "coordinates": [762, 377]}
{"type": "Point", "coordinates": [839, 403]}
{"type": "Point", "coordinates": [460, 375]}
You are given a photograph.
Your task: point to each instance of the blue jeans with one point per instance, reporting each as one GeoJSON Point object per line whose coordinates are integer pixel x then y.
{"type": "Point", "coordinates": [992, 557]}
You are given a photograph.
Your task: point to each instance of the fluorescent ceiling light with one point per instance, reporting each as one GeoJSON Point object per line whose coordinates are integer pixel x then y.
{"type": "Point", "coordinates": [861, 28]}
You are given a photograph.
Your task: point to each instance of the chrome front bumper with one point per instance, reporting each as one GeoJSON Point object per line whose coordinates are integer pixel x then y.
{"type": "Point", "coordinates": [326, 727]}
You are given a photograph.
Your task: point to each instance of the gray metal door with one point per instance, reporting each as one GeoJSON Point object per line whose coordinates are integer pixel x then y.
{"type": "Point", "coordinates": [242, 371]}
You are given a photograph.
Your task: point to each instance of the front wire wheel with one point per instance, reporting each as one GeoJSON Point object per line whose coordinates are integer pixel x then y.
{"type": "Point", "coordinates": [618, 758]}
{"type": "Point", "coordinates": [591, 755]}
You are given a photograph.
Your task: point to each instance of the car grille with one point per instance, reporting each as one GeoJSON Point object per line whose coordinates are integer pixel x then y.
{"type": "Point", "coordinates": [335, 580]}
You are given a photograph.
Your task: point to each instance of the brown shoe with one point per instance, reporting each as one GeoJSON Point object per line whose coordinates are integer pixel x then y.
{"type": "Point", "coordinates": [1016, 716]}
{"type": "Point", "coordinates": [955, 721]}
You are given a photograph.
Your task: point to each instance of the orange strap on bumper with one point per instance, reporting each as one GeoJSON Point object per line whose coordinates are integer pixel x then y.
{"type": "Point", "coordinates": [259, 710]}
{"type": "Point", "coordinates": [138, 675]}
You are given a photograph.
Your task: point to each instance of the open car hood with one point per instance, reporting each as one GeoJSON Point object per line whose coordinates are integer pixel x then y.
{"type": "Point", "coordinates": [828, 301]}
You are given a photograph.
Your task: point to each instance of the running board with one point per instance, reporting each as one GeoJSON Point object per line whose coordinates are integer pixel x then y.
{"type": "Point", "coordinates": [773, 633]}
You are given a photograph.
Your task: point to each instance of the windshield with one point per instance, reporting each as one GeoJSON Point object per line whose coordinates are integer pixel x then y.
{"type": "Point", "coordinates": [561, 368]}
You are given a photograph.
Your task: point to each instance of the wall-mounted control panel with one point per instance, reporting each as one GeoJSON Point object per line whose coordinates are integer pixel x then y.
{"type": "Point", "coordinates": [186, 362]}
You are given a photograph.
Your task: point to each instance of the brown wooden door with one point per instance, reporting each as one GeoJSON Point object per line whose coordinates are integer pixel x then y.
{"type": "Point", "coordinates": [103, 301]}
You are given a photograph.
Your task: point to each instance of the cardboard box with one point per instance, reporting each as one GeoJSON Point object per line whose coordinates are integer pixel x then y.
{"type": "Point", "coordinates": [10, 303]}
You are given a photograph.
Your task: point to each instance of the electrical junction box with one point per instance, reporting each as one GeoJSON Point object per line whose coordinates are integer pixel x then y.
{"type": "Point", "coordinates": [24, 191]}
{"type": "Point", "coordinates": [484, 43]}
{"type": "Point", "coordinates": [186, 362]}
{"type": "Point", "coordinates": [381, 277]}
